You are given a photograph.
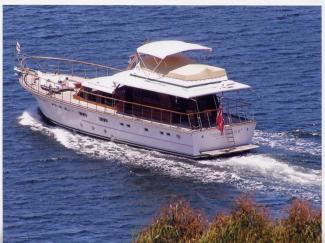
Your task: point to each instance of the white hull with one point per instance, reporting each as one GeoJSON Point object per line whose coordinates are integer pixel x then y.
{"type": "Point", "coordinates": [143, 133]}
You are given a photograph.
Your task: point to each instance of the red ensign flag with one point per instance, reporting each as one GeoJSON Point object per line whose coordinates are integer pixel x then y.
{"type": "Point", "coordinates": [219, 120]}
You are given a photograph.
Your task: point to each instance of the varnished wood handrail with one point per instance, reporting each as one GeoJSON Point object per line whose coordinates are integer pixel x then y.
{"type": "Point", "coordinates": [138, 104]}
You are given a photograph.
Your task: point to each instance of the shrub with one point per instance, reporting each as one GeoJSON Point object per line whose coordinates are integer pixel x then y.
{"type": "Point", "coordinates": [303, 224]}
{"type": "Point", "coordinates": [247, 222]}
{"type": "Point", "coordinates": [177, 223]}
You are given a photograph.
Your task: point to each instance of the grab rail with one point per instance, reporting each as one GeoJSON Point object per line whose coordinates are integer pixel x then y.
{"type": "Point", "coordinates": [74, 61]}
{"type": "Point", "coordinates": [74, 67]}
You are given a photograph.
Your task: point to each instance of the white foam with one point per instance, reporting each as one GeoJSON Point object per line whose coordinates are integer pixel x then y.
{"type": "Point", "coordinates": [250, 172]}
{"type": "Point", "coordinates": [287, 141]}
{"type": "Point", "coordinates": [270, 168]}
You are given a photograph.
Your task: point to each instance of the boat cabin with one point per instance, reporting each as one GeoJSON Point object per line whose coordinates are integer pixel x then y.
{"type": "Point", "coordinates": [164, 85]}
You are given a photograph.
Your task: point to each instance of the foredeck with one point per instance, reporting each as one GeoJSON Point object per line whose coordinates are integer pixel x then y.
{"type": "Point", "coordinates": [32, 83]}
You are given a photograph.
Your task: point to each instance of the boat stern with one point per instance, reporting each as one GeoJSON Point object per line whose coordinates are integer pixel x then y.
{"type": "Point", "coordinates": [235, 138]}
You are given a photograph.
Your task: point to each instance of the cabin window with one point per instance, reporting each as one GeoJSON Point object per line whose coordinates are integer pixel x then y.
{"type": "Point", "coordinates": [168, 134]}
{"type": "Point", "coordinates": [96, 96]}
{"type": "Point", "coordinates": [82, 114]}
{"type": "Point", "coordinates": [146, 129]}
{"type": "Point", "coordinates": [128, 125]}
{"type": "Point", "coordinates": [206, 102]}
{"type": "Point", "coordinates": [162, 133]}
{"type": "Point", "coordinates": [149, 95]}
{"type": "Point", "coordinates": [102, 119]}
{"type": "Point", "coordinates": [122, 124]}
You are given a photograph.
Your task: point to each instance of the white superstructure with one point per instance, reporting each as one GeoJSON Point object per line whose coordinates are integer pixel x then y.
{"type": "Point", "coordinates": [164, 100]}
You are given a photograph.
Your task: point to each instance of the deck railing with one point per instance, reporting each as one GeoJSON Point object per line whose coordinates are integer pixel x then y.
{"type": "Point", "coordinates": [69, 66]}
{"type": "Point", "coordinates": [234, 111]}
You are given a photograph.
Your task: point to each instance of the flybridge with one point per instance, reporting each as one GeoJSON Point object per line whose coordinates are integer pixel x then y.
{"type": "Point", "coordinates": [161, 67]}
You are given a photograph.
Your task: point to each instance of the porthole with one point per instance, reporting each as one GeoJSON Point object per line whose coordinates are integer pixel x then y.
{"type": "Point", "coordinates": [82, 114]}
{"type": "Point", "coordinates": [122, 124]}
{"type": "Point", "coordinates": [102, 119]}
{"type": "Point", "coordinates": [146, 129]}
{"type": "Point", "coordinates": [128, 125]}
{"type": "Point", "coordinates": [162, 133]}
{"type": "Point", "coordinates": [168, 134]}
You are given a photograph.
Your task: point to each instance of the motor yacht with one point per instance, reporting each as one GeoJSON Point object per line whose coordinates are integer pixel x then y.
{"type": "Point", "coordinates": [163, 100]}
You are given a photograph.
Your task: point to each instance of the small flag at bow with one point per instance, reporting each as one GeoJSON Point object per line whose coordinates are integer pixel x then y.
{"type": "Point", "coordinates": [219, 120]}
{"type": "Point", "coordinates": [18, 47]}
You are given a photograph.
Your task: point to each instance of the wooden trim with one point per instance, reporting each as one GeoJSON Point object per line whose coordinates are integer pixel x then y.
{"type": "Point", "coordinates": [77, 97]}
{"type": "Point", "coordinates": [138, 104]}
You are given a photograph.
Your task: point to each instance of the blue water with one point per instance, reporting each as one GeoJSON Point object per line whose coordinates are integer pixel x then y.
{"type": "Point", "coordinates": [64, 187]}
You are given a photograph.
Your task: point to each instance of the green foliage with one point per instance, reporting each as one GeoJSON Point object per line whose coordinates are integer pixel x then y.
{"type": "Point", "coordinates": [247, 222]}
{"type": "Point", "coordinates": [303, 224]}
{"type": "Point", "coordinates": [177, 223]}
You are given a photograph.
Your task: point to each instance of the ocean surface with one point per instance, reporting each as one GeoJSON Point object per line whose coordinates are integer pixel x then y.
{"type": "Point", "coordinates": [64, 187]}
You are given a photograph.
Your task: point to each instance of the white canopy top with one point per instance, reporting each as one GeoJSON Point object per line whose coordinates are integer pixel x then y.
{"type": "Point", "coordinates": [162, 49]}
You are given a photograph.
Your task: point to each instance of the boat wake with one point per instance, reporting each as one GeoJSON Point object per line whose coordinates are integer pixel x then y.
{"type": "Point", "coordinates": [250, 172]}
{"type": "Point", "coordinates": [287, 141]}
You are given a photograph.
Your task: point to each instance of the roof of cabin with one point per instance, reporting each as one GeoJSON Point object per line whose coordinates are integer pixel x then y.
{"type": "Point", "coordinates": [165, 85]}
